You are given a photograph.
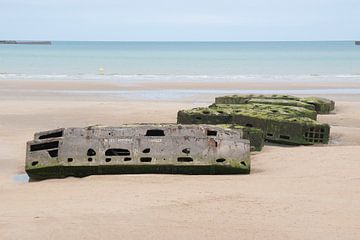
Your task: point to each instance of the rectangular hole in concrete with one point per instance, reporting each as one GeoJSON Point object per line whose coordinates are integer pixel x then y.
{"type": "Point", "coordinates": [155, 132]}
{"type": "Point", "coordinates": [52, 135]}
{"type": "Point", "coordinates": [145, 159]}
{"type": "Point", "coordinates": [284, 137]}
{"type": "Point", "coordinates": [117, 152]}
{"type": "Point", "coordinates": [185, 159]}
{"type": "Point", "coordinates": [44, 146]}
{"type": "Point", "coordinates": [211, 133]}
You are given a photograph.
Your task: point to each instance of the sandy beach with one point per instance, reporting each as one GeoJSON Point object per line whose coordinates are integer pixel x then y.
{"type": "Point", "coordinates": [302, 192]}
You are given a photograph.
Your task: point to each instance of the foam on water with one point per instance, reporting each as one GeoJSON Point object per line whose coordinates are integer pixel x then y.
{"type": "Point", "coordinates": [182, 78]}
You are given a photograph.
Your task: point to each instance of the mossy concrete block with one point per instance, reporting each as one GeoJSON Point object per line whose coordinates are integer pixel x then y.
{"type": "Point", "coordinates": [320, 105]}
{"type": "Point", "coordinates": [283, 102]}
{"type": "Point", "coordinates": [185, 149]}
{"type": "Point", "coordinates": [241, 99]}
{"type": "Point", "coordinates": [295, 130]}
{"type": "Point", "coordinates": [277, 127]}
{"type": "Point", "coordinates": [277, 111]}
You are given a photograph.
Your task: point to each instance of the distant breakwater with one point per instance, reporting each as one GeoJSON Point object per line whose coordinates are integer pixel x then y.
{"type": "Point", "coordinates": [25, 42]}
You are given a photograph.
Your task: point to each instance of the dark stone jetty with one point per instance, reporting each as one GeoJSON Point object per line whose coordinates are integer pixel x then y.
{"type": "Point", "coordinates": [25, 42]}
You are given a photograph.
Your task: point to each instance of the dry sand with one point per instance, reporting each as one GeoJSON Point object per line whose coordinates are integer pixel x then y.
{"type": "Point", "coordinates": [301, 192]}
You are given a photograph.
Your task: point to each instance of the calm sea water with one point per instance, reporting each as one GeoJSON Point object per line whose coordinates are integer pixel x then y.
{"type": "Point", "coordinates": [181, 61]}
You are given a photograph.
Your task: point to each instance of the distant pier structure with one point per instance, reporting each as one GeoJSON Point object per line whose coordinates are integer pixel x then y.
{"type": "Point", "coordinates": [25, 42]}
{"type": "Point", "coordinates": [357, 43]}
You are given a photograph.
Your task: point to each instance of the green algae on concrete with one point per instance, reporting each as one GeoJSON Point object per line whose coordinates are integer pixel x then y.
{"type": "Point", "coordinates": [277, 127]}
{"type": "Point", "coordinates": [296, 130]}
{"type": "Point", "coordinates": [274, 110]}
{"type": "Point", "coordinates": [241, 99]}
{"type": "Point", "coordinates": [320, 105]}
{"type": "Point", "coordinates": [283, 102]}
{"type": "Point", "coordinates": [83, 171]}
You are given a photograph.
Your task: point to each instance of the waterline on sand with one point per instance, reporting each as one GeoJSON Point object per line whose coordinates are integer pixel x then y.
{"type": "Point", "coordinates": [179, 94]}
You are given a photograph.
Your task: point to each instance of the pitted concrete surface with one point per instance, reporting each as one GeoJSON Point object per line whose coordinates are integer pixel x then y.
{"type": "Point", "coordinates": [189, 149]}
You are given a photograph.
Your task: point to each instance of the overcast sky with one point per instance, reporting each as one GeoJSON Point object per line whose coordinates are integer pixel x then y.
{"type": "Point", "coordinates": [178, 20]}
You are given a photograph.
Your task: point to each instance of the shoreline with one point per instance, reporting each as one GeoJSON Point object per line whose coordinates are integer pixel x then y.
{"type": "Point", "coordinates": [155, 84]}
{"type": "Point", "coordinates": [170, 91]}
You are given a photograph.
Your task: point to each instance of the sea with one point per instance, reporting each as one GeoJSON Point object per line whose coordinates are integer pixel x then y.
{"type": "Point", "coordinates": [183, 61]}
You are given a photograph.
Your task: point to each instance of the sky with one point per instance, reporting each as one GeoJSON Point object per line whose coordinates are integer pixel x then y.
{"type": "Point", "coordinates": [180, 20]}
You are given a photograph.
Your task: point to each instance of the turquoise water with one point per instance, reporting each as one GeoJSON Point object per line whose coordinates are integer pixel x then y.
{"type": "Point", "coordinates": [182, 61]}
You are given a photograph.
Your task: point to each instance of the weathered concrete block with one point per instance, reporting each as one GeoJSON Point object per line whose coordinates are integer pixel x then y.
{"type": "Point", "coordinates": [185, 149]}
{"type": "Point", "coordinates": [320, 105]}
{"type": "Point", "coordinates": [254, 135]}
{"type": "Point", "coordinates": [276, 125]}
{"type": "Point", "coordinates": [241, 99]}
{"type": "Point", "coordinates": [293, 130]}
{"type": "Point", "coordinates": [282, 102]}
{"type": "Point", "coordinates": [267, 109]}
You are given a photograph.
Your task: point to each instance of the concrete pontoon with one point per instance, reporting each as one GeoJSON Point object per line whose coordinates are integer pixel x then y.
{"type": "Point", "coordinates": [320, 105]}
{"type": "Point", "coordinates": [284, 124]}
{"type": "Point", "coordinates": [185, 149]}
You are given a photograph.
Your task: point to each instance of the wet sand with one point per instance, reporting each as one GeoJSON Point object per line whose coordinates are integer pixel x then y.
{"type": "Point", "coordinates": [300, 192]}
{"type": "Point", "coordinates": [101, 85]}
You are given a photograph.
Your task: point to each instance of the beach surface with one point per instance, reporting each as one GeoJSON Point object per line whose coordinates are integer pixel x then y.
{"type": "Point", "coordinates": [293, 192]}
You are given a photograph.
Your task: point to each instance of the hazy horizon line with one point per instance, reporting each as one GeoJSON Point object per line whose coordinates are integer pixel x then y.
{"type": "Point", "coordinates": [68, 40]}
